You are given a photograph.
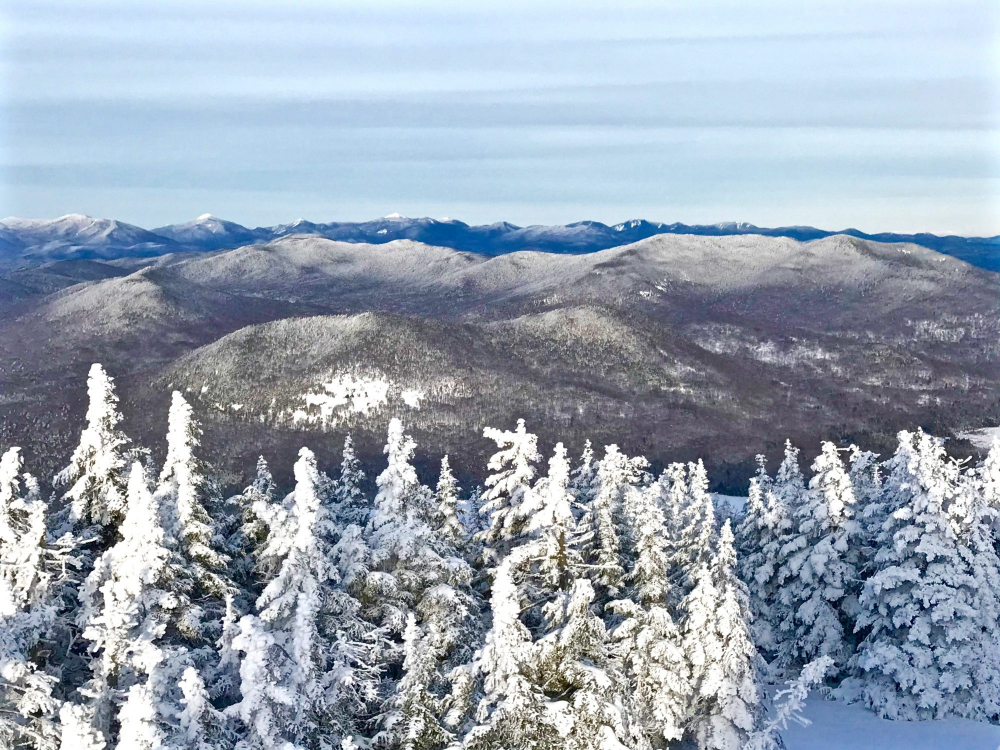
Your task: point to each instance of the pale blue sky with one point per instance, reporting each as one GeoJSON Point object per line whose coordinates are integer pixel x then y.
{"type": "Point", "coordinates": [878, 115]}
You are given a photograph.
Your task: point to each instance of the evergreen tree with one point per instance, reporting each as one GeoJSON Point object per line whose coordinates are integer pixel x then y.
{"type": "Point", "coordinates": [762, 534]}
{"type": "Point", "coordinates": [512, 712]}
{"type": "Point", "coordinates": [27, 612]}
{"type": "Point", "coordinates": [647, 641]}
{"type": "Point", "coordinates": [446, 499]}
{"type": "Point", "coordinates": [692, 517]}
{"type": "Point", "coordinates": [921, 607]}
{"type": "Point", "coordinates": [181, 493]}
{"type": "Point", "coordinates": [413, 722]}
{"type": "Point", "coordinates": [415, 571]}
{"type": "Point", "coordinates": [553, 525]}
{"type": "Point", "coordinates": [76, 729]}
{"type": "Point", "coordinates": [352, 505]}
{"type": "Point", "coordinates": [721, 654]}
{"type": "Point", "coordinates": [616, 473]}
{"type": "Point", "coordinates": [96, 474]}
{"type": "Point", "coordinates": [300, 681]}
{"type": "Point", "coordinates": [128, 601]}
{"type": "Point", "coordinates": [822, 590]}
{"type": "Point", "coordinates": [583, 476]}
{"type": "Point", "coordinates": [574, 665]}
{"type": "Point", "coordinates": [508, 501]}
{"type": "Point", "coordinates": [649, 645]}
{"type": "Point", "coordinates": [866, 479]}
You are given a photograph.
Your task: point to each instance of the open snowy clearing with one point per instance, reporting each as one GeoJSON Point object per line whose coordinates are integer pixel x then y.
{"type": "Point", "coordinates": [840, 726]}
{"type": "Point", "coordinates": [982, 438]}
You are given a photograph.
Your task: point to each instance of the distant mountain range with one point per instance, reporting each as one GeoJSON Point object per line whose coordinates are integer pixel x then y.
{"type": "Point", "coordinates": [77, 237]}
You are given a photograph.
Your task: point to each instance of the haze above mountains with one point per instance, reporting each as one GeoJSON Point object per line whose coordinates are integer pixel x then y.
{"type": "Point", "coordinates": [675, 345]}
{"type": "Point", "coordinates": [78, 237]}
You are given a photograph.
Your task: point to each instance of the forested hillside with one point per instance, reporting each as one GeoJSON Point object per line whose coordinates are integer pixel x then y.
{"type": "Point", "coordinates": [567, 602]}
{"type": "Point", "coordinates": [674, 347]}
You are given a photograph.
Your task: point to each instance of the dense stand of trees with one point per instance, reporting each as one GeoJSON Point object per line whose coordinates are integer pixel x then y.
{"type": "Point", "coordinates": [566, 604]}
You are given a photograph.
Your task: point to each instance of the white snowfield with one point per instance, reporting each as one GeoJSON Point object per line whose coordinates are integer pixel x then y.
{"type": "Point", "coordinates": [982, 438]}
{"type": "Point", "coordinates": [841, 726]}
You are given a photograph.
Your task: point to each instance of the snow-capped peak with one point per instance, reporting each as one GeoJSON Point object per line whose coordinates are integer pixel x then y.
{"type": "Point", "coordinates": [394, 215]}
{"type": "Point", "coordinates": [205, 217]}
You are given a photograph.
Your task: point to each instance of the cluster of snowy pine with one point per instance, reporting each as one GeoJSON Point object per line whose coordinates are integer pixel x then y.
{"type": "Point", "coordinates": [588, 608]}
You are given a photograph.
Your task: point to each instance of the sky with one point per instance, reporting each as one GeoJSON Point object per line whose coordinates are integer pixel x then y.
{"type": "Point", "coordinates": [879, 115]}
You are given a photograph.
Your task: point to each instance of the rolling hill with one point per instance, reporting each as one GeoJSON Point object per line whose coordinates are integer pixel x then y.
{"type": "Point", "coordinates": [675, 346]}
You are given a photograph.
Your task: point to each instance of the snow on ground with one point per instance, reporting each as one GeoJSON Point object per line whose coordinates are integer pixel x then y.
{"type": "Point", "coordinates": [982, 438]}
{"type": "Point", "coordinates": [840, 726]}
{"type": "Point", "coordinates": [412, 398]}
{"type": "Point", "coordinates": [732, 505]}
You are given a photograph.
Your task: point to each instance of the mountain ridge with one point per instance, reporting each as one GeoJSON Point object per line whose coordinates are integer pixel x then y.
{"type": "Point", "coordinates": [673, 345]}
{"type": "Point", "coordinates": [79, 237]}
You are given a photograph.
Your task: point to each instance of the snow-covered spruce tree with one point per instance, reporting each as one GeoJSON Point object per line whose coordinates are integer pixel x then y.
{"type": "Point", "coordinates": [973, 518]}
{"type": "Point", "coordinates": [508, 501]}
{"type": "Point", "coordinates": [922, 606]}
{"type": "Point", "coordinates": [573, 664]}
{"type": "Point", "coordinates": [720, 651]}
{"type": "Point", "coordinates": [822, 589]}
{"type": "Point", "coordinates": [761, 535]}
{"type": "Point", "coordinates": [96, 475]}
{"type": "Point", "coordinates": [647, 642]}
{"type": "Point", "coordinates": [415, 570]}
{"type": "Point", "coordinates": [128, 600]}
{"type": "Point", "coordinates": [303, 680]}
{"type": "Point", "coordinates": [513, 711]}
{"type": "Point", "coordinates": [224, 674]}
{"type": "Point", "coordinates": [352, 505]}
{"type": "Point", "coordinates": [413, 719]}
{"type": "Point", "coordinates": [691, 521]}
{"type": "Point", "coordinates": [582, 477]}
{"type": "Point", "coordinates": [866, 479]}
{"type": "Point", "coordinates": [651, 573]}
{"type": "Point", "coordinates": [27, 612]}
{"type": "Point", "coordinates": [248, 533]}
{"type": "Point", "coordinates": [397, 533]}
{"type": "Point", "coordinates": [181, 494]}
{"type": "Point", "coordinates": [446, 498]}
{"type": "Point", "coordinates": [553, 526]}
{"type": "Point", "coordinates": [616, 474]}
{"type": "Point", "coordinates": [155, 713]}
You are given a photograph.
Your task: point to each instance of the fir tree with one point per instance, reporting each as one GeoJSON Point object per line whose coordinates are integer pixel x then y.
{"type": "Point", "coordinates": [508, 501]}
{"type": "Point", "coordinates": [413, 723]}
{"type": "Point", "coordinates": [721, 654]}
{"type": "Point", "coordinates": [512, 712]}
{"type": "Point", "coordinates": [824, 584]}
{"type": "Point", "coordinates": [648, 644]}
{"type": "Point", "coordinates": [96, 474]}
{"type": "Point", "coordinates": [762, 534]}
{"type": "Point", "coordinates": [616, 473]}
{"type": "Point", "coordinates": [352, 506]}
{"type": "Point", "coordinates": [128, 601]}
{"type": "Point", "coordinates": [27, 612]}
{"type": "Point", "coordinates": [574, 665]}
{"type": "Point", "coordinates": [921, 606]}
{"type": "Point", "coordinates": [692, 523]}
{"type": "Point", "coordinates": [181, 493]}
{"type": "Point", "coordinates": [583, 476]}
{"type": "Point", "coordinates": [299, 679]}
{"type": "Point", "coordinates": [76, 729]}
{"type": "Point", "coordinates": [446, 499]}
{"type": "Point", "coordinates": [553, 525]}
